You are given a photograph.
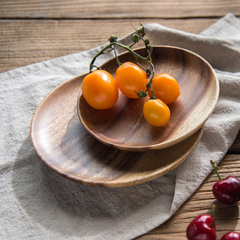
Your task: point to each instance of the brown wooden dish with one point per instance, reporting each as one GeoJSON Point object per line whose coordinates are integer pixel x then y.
{"type": "Point", "coordinates": [64, 144]}
{"type": "Point", "coordinates": [124, 126]}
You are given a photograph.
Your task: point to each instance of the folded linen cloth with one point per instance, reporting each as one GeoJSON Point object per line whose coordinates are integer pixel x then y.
{"type": "Point", "coordinates": [36, 203]}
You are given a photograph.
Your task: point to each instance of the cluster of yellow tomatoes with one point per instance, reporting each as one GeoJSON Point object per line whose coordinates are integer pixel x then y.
{"type": "Point", "coordinates": [101, 91]}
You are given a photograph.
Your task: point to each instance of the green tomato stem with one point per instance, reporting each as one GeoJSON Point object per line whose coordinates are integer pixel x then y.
{"type": "Point", "coordinates": [112, 47]}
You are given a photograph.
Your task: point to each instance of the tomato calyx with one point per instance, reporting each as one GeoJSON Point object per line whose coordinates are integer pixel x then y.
{"type": "Point", "coordinates": [141, 94]}
{"type": "Point", "coordinates": [141, 31]}
{"type": "Point", "coordinates": [112, 39]}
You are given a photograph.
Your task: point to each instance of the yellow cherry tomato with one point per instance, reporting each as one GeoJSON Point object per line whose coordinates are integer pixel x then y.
{"type": "Point", "coordinates": [131, 79]}
{"type": "Point", "coordinates": [165, 87]}
{"type": "Point", "coordinates": [156, 112]}
{"type": "Point", "coordinates": [100, 90]}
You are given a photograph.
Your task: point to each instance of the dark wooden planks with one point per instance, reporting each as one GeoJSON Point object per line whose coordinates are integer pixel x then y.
{"type": "Point", "coordinates": [24, 42]}
{"type": "Point", "coordinates": [117, 9]}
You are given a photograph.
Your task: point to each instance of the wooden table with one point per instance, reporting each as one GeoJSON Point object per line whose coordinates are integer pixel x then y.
{"type": "Point", "coordinates": [32, 31]}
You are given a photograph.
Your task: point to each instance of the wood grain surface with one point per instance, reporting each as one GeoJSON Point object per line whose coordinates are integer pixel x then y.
{"type": "Point", "coordinates": [35, 41]}
{"type": "Point", "coordinates": [33, 31]}
{"type": "Point", "coordinates": [117, 9]}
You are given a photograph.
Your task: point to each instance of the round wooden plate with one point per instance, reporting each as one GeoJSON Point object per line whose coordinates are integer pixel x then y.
{"type": "Point", "coordinates": [124, 126]}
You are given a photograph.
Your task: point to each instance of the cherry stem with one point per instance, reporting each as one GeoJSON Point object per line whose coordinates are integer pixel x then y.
{"type": "Point", "coordinates": [215, 167]}
{"type": "Point", "coordinates": [213, 215]}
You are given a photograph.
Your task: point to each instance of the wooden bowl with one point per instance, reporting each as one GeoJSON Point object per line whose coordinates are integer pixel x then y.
{"type": "Point", "coordinates": [124, 126]}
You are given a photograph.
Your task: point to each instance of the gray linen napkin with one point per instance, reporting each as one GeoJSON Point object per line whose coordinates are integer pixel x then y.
{"type": "Point", "coordinates": [36, 203]}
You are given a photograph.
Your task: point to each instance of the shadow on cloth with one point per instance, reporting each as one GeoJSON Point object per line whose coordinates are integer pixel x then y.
{"type": "Point", "coordinates": [62, 205]}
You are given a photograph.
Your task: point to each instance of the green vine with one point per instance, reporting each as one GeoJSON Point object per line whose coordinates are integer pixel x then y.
{"type": "Point", "coordinates": [138, 36]}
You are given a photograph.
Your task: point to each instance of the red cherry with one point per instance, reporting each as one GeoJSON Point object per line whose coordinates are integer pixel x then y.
{"type": "Point", "coordinates": [202, 228]}
{"type": "Point", "coordinates": [231, 236]}
{"type": "Point", "coordinates": [228, 190]}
